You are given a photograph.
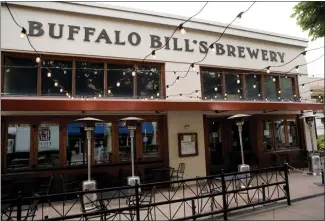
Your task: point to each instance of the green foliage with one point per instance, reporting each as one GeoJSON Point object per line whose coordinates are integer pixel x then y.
{"type": "Point", "coordinates": [311, 17]}
{"type": "Point", "coordinates": [320, 142]}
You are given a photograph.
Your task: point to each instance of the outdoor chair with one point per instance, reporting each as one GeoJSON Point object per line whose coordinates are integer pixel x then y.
{"type": "Point", "coordinates": [178, 174]}
{"type": "Point", "coordinates": [89, 204]}
{"type": "Point", "coordinates": [206, 187]}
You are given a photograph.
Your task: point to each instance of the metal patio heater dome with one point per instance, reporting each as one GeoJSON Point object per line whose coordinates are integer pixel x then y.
{"type": "Point", "coordinates": [239, 118]}
{"type": "Point", "coordinates": [131, 124]}
{"type": "Point", "coordinates": [87, 185]}
{"type": "Point", "coordinates": [314, 159]}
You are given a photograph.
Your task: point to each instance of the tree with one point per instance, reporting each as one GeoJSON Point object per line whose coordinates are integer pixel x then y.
{"type": "Point", "coordinates": [311, 17]}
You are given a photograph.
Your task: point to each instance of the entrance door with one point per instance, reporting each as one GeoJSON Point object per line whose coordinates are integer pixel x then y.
{"type": "Point", "coordinates": [215, 147]}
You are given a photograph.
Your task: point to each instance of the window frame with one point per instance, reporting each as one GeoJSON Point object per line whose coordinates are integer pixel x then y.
{"type": "Point", "coordinates": [74, 59]}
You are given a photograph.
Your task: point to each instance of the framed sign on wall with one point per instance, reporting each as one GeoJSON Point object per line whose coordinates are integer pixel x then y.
{"type": "Point", "coordinates": [187, 145]}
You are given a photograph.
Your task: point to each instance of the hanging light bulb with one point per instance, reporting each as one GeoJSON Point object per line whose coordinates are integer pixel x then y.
{"type": "Point", "coordinates": [216, 88]}
{"type": "Point", "coordinates": [279, 98]}
{"type": "Point", "coordinates": [118, 84]}
{"type": "Point", "coordinates": [254, 99]}
{"type": "Point", "coordinates": [238, 91]}
{"type": "Point", "coordinates": [196, 92]}
{"type": "Point", "coordinates": [94, 97]}
{"type": "Point", "coordinates": [151, 97]}
{"type": "Point", "coordinates": [193, 67]}
{"type": "Point", "coordinates": [225, 94]}
{"type": "Point", "coordinates": [177, 79]}
{"type": "Point", "coordinates": [212, 48]}
{"type": "Point", "coordinates": [273, 79]}
{"type": "Point", "coordinates": [238, 81]}
{"type": "Point", "coordinates": [215, 96]}
{"type": "Point", "coordinates": [158, 94]}
{"type": "Point", "coordinates": [109, 91]}
{"type": "Point", "coordinates": [23, 33]}
{"type": "Point", "coordinates": [268, 69]}
{"type": "Point", "coordinates": [67, 94]}
{"type": "Point", "coordinates": [153, 53]}
{"type": "Point", "coordinates": [8, 70]}
{"type": "Point", "coordinates": [38, 59]}
{"type": "Point", "coordinates": [56, 84]}
{"type": "Point", "coordinates": [286, 76]}
{"type": "Point", "coordinates": [294, 95]}
{"type": "Point", "coordinates": [61, 89]}
{"type": "Point", "coordinates": [133, 73]}
{"type": "Point", "coordinates": [225, 98]}
{"type": "Point", "coordinates": [254, 75]}
{"type": "Point", "coordinates": [182, 29]}
{"type": "Point", "coordinates": [303, 86]}
{"type": "Point", "coordinates": [259, 95]}
{"type": "Point", "coordinates": [95, 72]}
{"type": "Point", "coordinates": [167, 87]}
{"type": "Point", "coordinates": [180, 94]}
{"type": "Point", "coordinates": [266, 99]}
{"type": "Point", "coordinates": [99, 95]}
{"type": "Point", "coordinates": [279, 91]}
{"type": "Point", "coordinates": [254, 86]}
{"type": "Point", "coordinates": [65, 72]}
{"type": "Point", "coordinates": [297, 68]}
{"type": "Point", "coordinates": [49, 74]}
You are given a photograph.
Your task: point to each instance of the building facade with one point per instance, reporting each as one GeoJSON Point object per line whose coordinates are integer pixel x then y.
{"type": "Point", "coordinates": [92, 64]}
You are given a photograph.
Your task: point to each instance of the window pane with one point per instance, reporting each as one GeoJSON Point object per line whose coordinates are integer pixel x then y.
{"type": "Point", "coordinates": [18, 146]}
{"type": "Point", "coordinates": [48, 145]}
{"type": "Point", "coordinates": [89, 79]}
{"type": "Point", "coordinates": [120, 80]}
{"type": "Point", "coordinates": [267, 135]}
{"type": "Point", "coordinates": [292, 133]}
{"type": "Point", "coordinates": [61, 73]}
{"type": "Point", "coordinates": [125, 143]}
{"type": "Point", "coordinates": [287, 88]}
{"type": "Point", "coordinates": [103, 143]}
{"type": "Point", "coordinates": [212, 85]}
{"type": "Point", "coordinates": [20, 76]}
{"type": "Point", "coordinates": [280, 134]}
{"type": "Point", "coordinates": [233, 86]}
{"type": "Point", "coordinates": [148, 81]}
{"type": "Point", "coordinates": [150, 140]}
{"type": "Point", "coordinates": [253, 88]}
{"type": "Point", "coordinates": [77, 144]}
{"type": "Point", "coordinates": [270, 88]}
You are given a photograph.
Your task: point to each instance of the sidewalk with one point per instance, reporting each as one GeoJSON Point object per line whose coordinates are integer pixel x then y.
{"type": "Point", "coordinates": [311, 209]}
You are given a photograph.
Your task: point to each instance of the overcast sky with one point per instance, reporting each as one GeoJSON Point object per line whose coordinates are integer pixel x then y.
{"type": "Point", "coordinates": [267, 16]}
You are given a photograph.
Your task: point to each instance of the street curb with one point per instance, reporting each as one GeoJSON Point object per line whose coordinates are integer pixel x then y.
{"type": "Point", "coordinates": [267, 207]}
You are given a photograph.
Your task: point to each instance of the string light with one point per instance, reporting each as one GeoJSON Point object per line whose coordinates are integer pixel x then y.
{"type": "Point", "coordinates": [118, 84]}
{"type": "Point", "coordinates": [153, 53]}
{"type": "Point", "coordinates": [109, 91]}
{"type": "Point", "coordinates": [158, 94]}
{"type": "Point", "coordinates": [216, 88]}
{"type": "Point", "coordinates": [23, 33]}
{"type": "Point", "coordinates": [238, 81]}
{"type": "Point", "coordinates": [177, 79]}
{"type": "Point", "coordinates": [61, 89]}
{"type": "Point", "coordinates": [55, 84]}
{"type": "Point", "coordinates": [238, 91]}
{"type": "Point", "coordinates": [279, 91]}
{"type": "Point", "coordinates": [254, 86]}
{"type": "Point", "coordinates": [49, 74]}
{"type": "Point", "coordinates": [268, 69]}
{"type": "Point", "coordinates": [182, 29]}
{"type": "Point", "coordinates": [303, 85]}
{"type": "Point", "coordinates": [133, 73]}
{"type": "Point", "coordinates": [212, 48]}
{"type": "Point", "coordinates": [193, 67]}
{"type": "Point", "coordinates": [38, 59]}
{"type": "Point", "coordinates": [274, 79]}
{"type": "Point", "coordinates": [297, 68]}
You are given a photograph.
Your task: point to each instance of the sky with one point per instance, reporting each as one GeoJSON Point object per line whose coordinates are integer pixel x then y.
{"type": "Point", "coordinates": [267, 16]}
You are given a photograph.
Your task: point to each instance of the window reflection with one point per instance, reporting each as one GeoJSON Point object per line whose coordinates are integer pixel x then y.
{"type": "Point", "coordinates": [48, 145]}
{"type": "Point", "coordinates": [287, 88]}
{"type": "Point", "coordinates": [280, 133]}
{"type": "Point", "coordinates": [245, 137]}
{"type": "Point", "coordinates": [270, 88]}
{"type": "Point", "coordinates": [20, 76]}
{"type": "Point", "coordinates": [77, 144]}
{"type": "Point", "coordinates": [119, 80]}
{"type": "Point", "coordinates": [89, 79]}
{"type": "Point", "coordinates": [253, 86]}
{"type": "Point", "coordinates": [267, 135]}
{"type": "Point", "coordinates": [18, 148]}
{"type": "Point", "coordinates": [233, 86]}
{"type": "Point", "coordinates": [212, 85]}
{"type": "Point", "coordinates": [103, 143]}
{"type": "Point", "coordinates": [60, 73]}
{"type": "Point", "coordinates": [125, 143]}
{"type": "Point", "coordinates": [292, 133]}
{"type": "Point", "coordinates": [148, 81]}
{"type": "Point", "coordinates": [150, 140]}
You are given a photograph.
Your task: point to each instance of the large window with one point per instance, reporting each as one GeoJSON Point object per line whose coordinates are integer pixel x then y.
{"type": "Point", "coordinates": [148, 82]}
{"type": "Point", "coordinates": [234, 87]}
{"type": "Point", "coordinates": [287, 92]}
{"type": "Point", "coordinates": [253, 86]}
{"type": "Point", "coordinates": [76, 144]}
{"type": "Point", "coordinates": [212, 85]}
{"type": "Point", "coordinates": [89, 79]}
{"type": "Point", "coordinates": [56, 78]}
{"type": "Point", "coordinates": [103, 143]}
{"type": "Point", "coordinates": [270, 88]}
{"type": "Point", "coordinates": [18, 149]}
{"type": "Point", "coordinates": [279, 134]}
{"type": "Point", "coordinates": [120, 80]}
{"type": "Point", "coordinates": [20, 76]}
{"type": "Point", "coordinates": [124, 143]}
{"type": "Point", "coordinates": [150, 140]}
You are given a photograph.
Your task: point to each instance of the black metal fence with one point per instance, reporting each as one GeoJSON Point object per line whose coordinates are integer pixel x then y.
{"type": "Point", "coordinates": [195, 198]}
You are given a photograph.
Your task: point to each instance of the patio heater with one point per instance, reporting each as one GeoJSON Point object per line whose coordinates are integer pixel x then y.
{"type": "Point", "coordinates": [131, 124]}
{"type": "Point", "coordinates": [314, 160]}
{"type": "Point", "coordinates": [87, 185]}
{"type": "Point", "coordinates": [239, 119]}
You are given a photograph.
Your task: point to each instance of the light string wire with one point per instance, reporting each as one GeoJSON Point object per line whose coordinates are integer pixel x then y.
{"type": "Point", "coordinates": [179, 27]}
{"type": "Point", "coordinates": [211, 45]}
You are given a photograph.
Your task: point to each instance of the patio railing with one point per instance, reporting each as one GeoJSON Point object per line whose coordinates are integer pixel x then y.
{"type": "Point", "coordinates": [186, 199]}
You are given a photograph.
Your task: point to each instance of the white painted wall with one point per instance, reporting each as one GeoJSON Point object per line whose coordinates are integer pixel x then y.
{"type": "Point", "coordinates": [195, 166]}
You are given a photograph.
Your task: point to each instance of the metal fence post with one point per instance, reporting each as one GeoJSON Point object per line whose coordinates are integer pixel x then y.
{"type": "Point", "coordinates": [224, 198]}
{"type": "Point", "coordinates": [19, 207]}
{"type": "Point", "coordinates": [323, 177]}
{"type": "Point", "coordinates": [137, 200]}
{"type": "Point", "coordinates": [263, 192]}
{"type": "Point", "coordinates": [287, 189]}
{"type": "Point", "coordinates": [193, 209]}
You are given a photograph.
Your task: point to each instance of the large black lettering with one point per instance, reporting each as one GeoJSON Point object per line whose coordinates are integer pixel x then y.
{"type": "Point", "coordinates": [167, 43]}
{"type": "Point", "coordinates": [88, 32]}
{"type": "Point", "coordinates": [241, 51]}
{"type": "Point", "coordinates": [203, 47]}
{"type": "Point", "coordinates": [187, 46]}
{"type": "Point", "coordinates": [264, 55]}
{"type": "Point", "coordinates": [51, 31]}
{"type": "Point", "coordinates": [252, 53]}
{"type": "Point", "coordinates": [231, 50]}
{"type": "Point", "coordinates": [73, 30]}
{"type": "Point", "coordinates": [137, 38]}
{"type": "Point", "coordinates": [35, 28]}
{"type": "Point", "coordinates": [219, 49]}
{"type": "Point", "coordinates": [273, 56]}
{"type": "Point", "coordinates": [281, 55]}
{"type": "Point", "coordinates": [103, 35]}
{"type": "Point", "coordinates": [117, 38]}
{"type": "Point", "coordinates": [155, 41]}
{"type": "Point", "coordinates": [176, 48]}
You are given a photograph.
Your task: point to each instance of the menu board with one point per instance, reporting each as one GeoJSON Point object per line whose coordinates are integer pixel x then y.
{"type": "Point", "coordinates": [187, 144]}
